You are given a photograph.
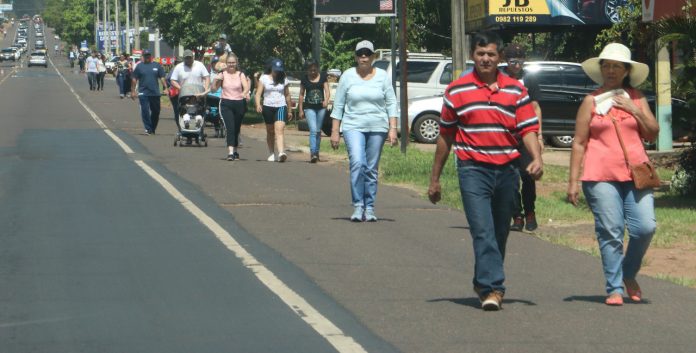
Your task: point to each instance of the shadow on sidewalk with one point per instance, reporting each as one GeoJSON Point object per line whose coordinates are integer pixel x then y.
{"type": "Point", "coordinates": [598, 299]}
{"type": "Point", "coordinates": [476, 303]}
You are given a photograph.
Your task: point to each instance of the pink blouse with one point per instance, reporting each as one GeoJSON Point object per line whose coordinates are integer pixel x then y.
{"type": "Point", "coordinates": [232, 88]}
{"type": "Point", "coordinates": [604, 159]}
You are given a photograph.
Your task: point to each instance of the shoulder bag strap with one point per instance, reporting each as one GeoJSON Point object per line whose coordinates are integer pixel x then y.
{"type": "Point", "coordinates": [623, 147]}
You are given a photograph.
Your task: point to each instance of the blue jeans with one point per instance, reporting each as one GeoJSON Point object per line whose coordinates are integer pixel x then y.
{"type": "Point", "coordinates": [121, 81]}
{"type": "Point", "coordinates": [487, 194]}
{"type": "Point", "coordinates": [315, 119]}
{"type": "Point", "coordinates": [364, 151]}
{"type": "Point", "coordinates": [618, 206]}
{"type": "Point", "coordinates": [92, 79]}
{"type": "Point", "coordinates": [149, 112]}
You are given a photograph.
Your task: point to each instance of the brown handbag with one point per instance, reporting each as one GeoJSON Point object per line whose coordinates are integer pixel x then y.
{"type": "Point", "coordinates": [644, 174]}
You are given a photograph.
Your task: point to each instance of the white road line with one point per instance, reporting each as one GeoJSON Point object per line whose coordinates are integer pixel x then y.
{"type": "Point", "coordinates": [303, 309]}
{"type": "Point", "coordinates": [8, 75]}
{"type": "Point", "coordinates": [322, 325]}
{"type": "Point", "coordinates": [94, 115]}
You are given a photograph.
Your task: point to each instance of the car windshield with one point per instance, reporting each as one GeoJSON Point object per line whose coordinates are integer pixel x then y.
{"type": "Point", "coordinates": [7, 50]}
{"type": "Point", "coordinates": [37, 53]}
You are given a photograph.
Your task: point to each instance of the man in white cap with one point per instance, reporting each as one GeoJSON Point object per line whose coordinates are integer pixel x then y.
{"type": "Point", "coordinates": [191, 72]}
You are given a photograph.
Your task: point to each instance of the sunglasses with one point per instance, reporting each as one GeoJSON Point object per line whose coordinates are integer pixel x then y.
{"type": "Point", "coordinates": [516, 62]}
{"type": "Point", "coordinates": [363, 52]}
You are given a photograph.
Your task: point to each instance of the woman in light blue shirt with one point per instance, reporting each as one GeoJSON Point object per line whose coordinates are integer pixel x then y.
{"type": "Point", "coordinates": [365, 110]}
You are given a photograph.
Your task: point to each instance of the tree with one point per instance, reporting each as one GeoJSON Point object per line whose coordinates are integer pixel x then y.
{"type": "Point", "coordinates": [72, 19]}
{"type": "Point", "coordinates": [682, 32]}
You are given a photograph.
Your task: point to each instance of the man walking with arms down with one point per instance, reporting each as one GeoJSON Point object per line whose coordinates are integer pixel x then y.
{"type": "Point", "coordinates": [481, 113]}
{"type": "Point", "coordinates": [148, 76]}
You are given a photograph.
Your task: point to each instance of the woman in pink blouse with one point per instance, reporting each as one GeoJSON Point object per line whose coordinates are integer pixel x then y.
{"type": "Point", "coordinates": [235, 91]}
{"type": "Point", "coordinates": [606, 180]}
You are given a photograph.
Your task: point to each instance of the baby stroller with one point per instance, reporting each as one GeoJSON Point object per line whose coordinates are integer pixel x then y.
{"type": "Point", "coordinates": [191, 112]}
{"type": "Point", "coordinates": [212, 110]}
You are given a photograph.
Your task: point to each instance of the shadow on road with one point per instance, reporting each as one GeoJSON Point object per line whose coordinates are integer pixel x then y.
{"type": "Point", "coordinates": [476, 303]}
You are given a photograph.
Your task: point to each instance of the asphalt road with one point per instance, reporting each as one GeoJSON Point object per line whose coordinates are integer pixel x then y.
{"type": "Point", "coordinates": [96, 255]}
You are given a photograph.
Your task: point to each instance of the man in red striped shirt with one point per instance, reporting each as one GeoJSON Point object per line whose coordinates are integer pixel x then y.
{"type": "Point", "coordinates": [481, 114]}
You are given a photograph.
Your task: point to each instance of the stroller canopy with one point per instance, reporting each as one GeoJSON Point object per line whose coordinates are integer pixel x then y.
{"type": "Point", "coordinates": [189, 89]}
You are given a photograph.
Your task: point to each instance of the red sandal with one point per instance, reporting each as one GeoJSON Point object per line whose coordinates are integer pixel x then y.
{"type": "Point", "coordinates": [633, 290]}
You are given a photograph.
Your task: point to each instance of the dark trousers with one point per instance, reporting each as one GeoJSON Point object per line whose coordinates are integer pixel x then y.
{"type": "Point", "coordinates": [528, 195]}
{"type": "Point", "coordinates": [232, 111]}
{"type": "Point", "coordinates": [149, 112]}
{"type": "Point", "coordinates": [123, 84]}
{"type": "Point", "coordinates": [100, 80]}
{"type": "Point", "coordinates": [175, 105]}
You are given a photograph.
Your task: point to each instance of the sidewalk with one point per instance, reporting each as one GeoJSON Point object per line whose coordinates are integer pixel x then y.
{"type": "Point", "coordinates": [408, 276]}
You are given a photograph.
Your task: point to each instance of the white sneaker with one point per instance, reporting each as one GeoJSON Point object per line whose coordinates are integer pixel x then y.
{"type": "Point", "coordinates": [282, 157]}
{"type": "Point", "coordinates": [271, 158]}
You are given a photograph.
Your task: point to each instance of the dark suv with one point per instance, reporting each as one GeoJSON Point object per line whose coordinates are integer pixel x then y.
{"type": "Point", "coordinates": [563, 86]}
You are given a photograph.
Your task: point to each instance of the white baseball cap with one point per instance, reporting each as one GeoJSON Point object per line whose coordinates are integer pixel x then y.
{"type": "Point", "coordinates": [365, 44]}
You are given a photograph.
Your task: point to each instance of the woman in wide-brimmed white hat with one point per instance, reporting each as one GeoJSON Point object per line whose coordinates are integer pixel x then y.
{"type": "Point", "coordinates": [606, 180]}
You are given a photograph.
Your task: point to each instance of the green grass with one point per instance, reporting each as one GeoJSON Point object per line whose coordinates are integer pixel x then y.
{"type": "Point", "coordinates": [665, 174]}
{"type": "Point", "coordinates": [682, 281]}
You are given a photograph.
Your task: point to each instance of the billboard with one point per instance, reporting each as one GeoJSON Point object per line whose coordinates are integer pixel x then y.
{"type": "Point", "coordinates": [354, 8]}
{"type": "Point", "coordinates": [5, 7]}
{"type": "Point", "coordinates": [539, 13]}
{"type": "Point", "coordinates": [654, 10]}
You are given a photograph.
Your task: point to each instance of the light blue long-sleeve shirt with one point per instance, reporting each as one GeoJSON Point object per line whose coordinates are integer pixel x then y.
{"type": "Point", "coordinates": [364, 105]}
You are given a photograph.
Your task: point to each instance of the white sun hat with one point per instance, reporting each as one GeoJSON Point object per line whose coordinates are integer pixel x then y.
{"type": "Point", "coordinates": [617, 52]}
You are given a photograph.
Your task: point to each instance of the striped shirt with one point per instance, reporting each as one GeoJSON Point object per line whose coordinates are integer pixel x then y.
{"type": "Point", "coordinates": [484, 121]}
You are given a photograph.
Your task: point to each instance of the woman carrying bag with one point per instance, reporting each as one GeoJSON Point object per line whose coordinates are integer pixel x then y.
{"type": "Point", "coordinates": [613, 119]}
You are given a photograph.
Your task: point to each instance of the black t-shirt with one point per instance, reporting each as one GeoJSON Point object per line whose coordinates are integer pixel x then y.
{"type": "Point", "coordinates": [314, 91]}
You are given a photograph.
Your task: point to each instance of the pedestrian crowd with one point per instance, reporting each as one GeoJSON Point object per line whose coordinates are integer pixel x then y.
{"type": "Point", "coordinates": [490, 119]}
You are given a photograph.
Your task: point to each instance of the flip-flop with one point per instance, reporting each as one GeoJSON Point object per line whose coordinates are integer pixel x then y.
{"type": "Point", "coordinates": [614, 299]}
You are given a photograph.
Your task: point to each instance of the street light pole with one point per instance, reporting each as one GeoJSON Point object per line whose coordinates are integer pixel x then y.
{"type": "Point", "coordinates": [136, 19]}
{"type": "Point", "coordinates": [107, 35]}
{"type": "Point", "coordinates": [96, 25]}
{"type": "Point", "coordinates": [128, 45]}
{"type": "Point", "coordinates": [118, 29]}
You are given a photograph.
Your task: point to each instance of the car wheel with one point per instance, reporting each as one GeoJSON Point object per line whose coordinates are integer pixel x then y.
{"type": "Point", "coordinates": [562, 141]}
{"type": "Point", "coordinates": [427, 128]}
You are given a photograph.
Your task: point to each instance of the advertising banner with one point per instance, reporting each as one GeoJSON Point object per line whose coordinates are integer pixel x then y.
{"type": "Point", "coordinates": [537, 13]}
{"type": "Point", "coordinates": [655, 10]}
{"type": "Point", "coordinates": [354, 8]}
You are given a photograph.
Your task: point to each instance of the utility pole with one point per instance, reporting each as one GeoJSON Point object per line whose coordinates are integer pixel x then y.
{"type": "Point", "coordinates": [403, 55]}
{"type": "Point", "coordinates": [107, 35]}
{"type": "Point", "coordinates": [96, 25]}
{"type": "Point", "coordinates": [118, 29]}
{"type": "Point", "coordinates": [136, 19]}
{"type": "Point", "coordinates": [459, 41]}
{"type": "Point", "coordinates": [128, 45]}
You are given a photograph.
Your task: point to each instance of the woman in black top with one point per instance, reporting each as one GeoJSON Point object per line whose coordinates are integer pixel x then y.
{"type": "Point", "coordinates": [314, 97]}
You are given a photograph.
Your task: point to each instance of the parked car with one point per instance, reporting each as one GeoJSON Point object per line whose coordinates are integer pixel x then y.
{"type": "Point", "coordinates": [37, 58]}
{"type": "Point", "coordinates": [563, 86]}
{"type": "Point", "coordinates": [428, 73]}
{"type": "Point", "coordinates": [7, 54]}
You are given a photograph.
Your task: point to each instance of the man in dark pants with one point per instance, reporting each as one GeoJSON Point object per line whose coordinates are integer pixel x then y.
{"type": "Point", "coordinates": [483, 111]}
{"type": "Point", "coordinates": [148, 76]}
{"type": "Point", "coordinates": [516, 55]}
